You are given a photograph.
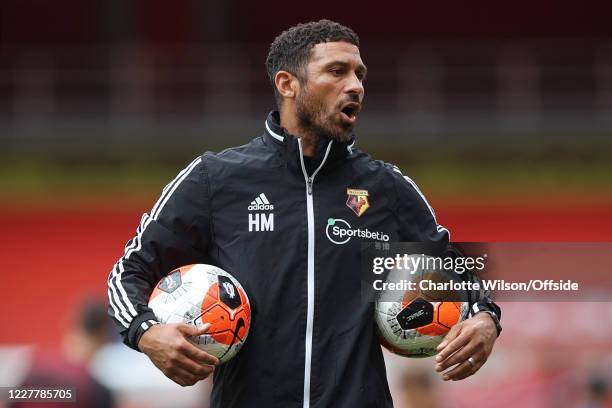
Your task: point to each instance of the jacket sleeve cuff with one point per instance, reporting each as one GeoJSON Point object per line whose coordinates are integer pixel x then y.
{"type": "Point", "coordinates": [138, 327]}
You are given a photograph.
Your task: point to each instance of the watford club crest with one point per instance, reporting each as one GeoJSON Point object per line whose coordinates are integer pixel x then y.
{"type": "Point", "coordinates": [357, 201]}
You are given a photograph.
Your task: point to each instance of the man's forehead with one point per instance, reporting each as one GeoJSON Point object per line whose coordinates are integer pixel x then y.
{"type": "Point", "coordinates": [338, 50]}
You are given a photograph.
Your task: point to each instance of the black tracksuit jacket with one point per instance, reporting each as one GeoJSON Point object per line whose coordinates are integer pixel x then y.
{"type": "Point", "coordinates": [266, 216]}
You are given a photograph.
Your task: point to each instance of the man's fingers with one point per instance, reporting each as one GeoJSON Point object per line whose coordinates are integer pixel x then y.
{"type": "Point", "coordinates": [182, 376]}
{"type": "Point", "coordinates": [452, 347]}
{"type": "Point", "coordinates": [198, 355]}
{"type": "Point", "coordinates": [450, 336]}
{"type": "Point", "coordinates": [465, 369]}
{"type": "Point", "coordinates": [468, 350]}
{"type": "Point", "coordinates": [200, 330]}
{"type": "Point", "coordinates": [169, 348]}
{"type": "Point", "coordinates": [460, 356]}
{"type": "Point", "coordinates": [194, 368]}
{"type": "Point", "coordinates": [192, 351]}
{"type": "Point", "coordinates": [190, 330]}
{"type": "Point", "coordinates": [187, 348]}
{"type": "Point", "coordinates": [460, 371]}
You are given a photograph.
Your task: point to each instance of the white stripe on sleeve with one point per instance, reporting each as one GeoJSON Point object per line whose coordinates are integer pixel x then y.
{"type": "Point", "coordinates": [116, 312]}
{"type": "Point", "coordinates": [135, 245]}
{"type": "Point", "coordinates": [439, 227]}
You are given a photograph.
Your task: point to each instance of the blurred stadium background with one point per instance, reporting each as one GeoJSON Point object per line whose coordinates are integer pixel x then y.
{"type": "Point", "coordinates": [501, 112]}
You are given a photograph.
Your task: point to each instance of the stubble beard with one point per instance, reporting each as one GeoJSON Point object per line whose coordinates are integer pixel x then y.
{"type": "Point", "coordinates": [312, 119]}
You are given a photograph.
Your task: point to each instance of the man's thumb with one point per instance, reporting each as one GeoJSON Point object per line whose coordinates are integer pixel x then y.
{"type": "Point", "coordinates": [192, 330]}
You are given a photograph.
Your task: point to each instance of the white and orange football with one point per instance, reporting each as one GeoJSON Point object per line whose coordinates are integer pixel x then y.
{"type": "Point", "coordinates": [198, 294]}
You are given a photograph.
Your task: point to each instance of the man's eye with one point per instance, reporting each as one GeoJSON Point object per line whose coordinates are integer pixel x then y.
{"type": "Point", "coordinates": [337, 71]}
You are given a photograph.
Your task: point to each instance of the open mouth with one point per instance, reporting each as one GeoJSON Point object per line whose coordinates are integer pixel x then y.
{"type": "Point", "coordinates": [350, 111]}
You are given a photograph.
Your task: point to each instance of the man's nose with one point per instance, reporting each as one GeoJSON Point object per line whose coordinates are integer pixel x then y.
{"type": "Point", "coordinates": [355, 86]}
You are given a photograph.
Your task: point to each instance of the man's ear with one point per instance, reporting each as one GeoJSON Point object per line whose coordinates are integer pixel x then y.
{"type": "Point", "coordinates": [287, 84]}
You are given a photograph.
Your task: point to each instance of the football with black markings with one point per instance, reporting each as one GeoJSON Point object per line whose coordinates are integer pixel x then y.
{"type": "Point", "coordinates": [412, 322]}
{"type": "Point", "coordinates": [198, 294]}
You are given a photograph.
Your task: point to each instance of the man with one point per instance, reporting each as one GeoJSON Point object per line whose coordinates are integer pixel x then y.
{"type": "Point", "coordinates": [70, 368]}
{"type": "Point", "coordinates": [312, 340]}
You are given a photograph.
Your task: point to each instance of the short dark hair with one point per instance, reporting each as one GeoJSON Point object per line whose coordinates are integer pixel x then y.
{"type": "Point", "coordinates": [290, 51]}
{"type": "Point", "coordinates": [93, 318]}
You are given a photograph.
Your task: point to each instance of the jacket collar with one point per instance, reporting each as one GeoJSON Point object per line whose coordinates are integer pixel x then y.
{"type": "Point", "coordinates": [288, 143]}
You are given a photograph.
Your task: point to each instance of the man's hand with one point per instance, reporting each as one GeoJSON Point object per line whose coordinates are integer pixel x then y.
{"type": "Point", "coordinates": [168, 348]}
{"type": "Point", "coordinates": [468, 345]}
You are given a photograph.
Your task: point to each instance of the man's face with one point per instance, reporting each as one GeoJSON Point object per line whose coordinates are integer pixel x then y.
{"type": "Point", "coordinates": [330, 96]}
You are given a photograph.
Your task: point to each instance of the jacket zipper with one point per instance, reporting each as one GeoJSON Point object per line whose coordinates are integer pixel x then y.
{"type": "Point", "coordinates": [311, 251]}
